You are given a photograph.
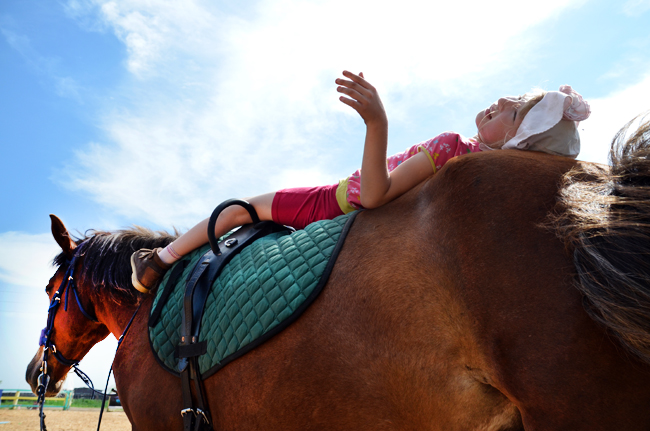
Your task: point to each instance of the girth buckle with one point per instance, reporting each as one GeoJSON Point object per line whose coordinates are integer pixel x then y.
{"type": "Point", "coordinates": [197, 412]}
{"type": "Point", "coordinates": [202, 413]}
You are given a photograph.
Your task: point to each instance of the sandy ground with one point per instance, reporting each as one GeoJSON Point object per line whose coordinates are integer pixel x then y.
{"type": "Point", "coordinates": [58, 420]}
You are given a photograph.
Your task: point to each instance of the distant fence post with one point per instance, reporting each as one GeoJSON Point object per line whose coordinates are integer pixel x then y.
{"type": "Point", "coordinates": [68, 400]}
{"type": "Point", "coordinates": [16, 395]}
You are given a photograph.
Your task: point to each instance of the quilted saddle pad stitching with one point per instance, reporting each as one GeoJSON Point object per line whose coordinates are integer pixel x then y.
{"type": "Point", "coordinates": [296, 288]}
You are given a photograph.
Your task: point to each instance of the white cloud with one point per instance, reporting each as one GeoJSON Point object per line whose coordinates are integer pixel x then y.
{"type": "Point", "coordinates": [608, 115]}
{"type": "Point", "coordinates": [68, 87]}
{"type": "Point", "coordinates": [155, 33]}
{"type": "Point", "coordinates": [636, 7]}
{"type": "Point", "coordinates": [26, 260]}
{"type": "Point", "coordinates": [225, 106]}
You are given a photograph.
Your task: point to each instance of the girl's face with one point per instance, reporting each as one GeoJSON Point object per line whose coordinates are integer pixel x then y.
{"type": "Point", "coordinates": [499, 122]}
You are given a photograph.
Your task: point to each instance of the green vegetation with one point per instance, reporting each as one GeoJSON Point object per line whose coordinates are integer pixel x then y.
{"type": "Point", "coordinates": [96, 403]}
{"type": "Point", "coordinates": [33, 403]}
{"type": "Point", "coordinates": [88, 403]}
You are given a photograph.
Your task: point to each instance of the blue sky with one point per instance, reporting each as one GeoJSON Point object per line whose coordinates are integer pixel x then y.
{"type": "Point", "coordinates": [123, 112]}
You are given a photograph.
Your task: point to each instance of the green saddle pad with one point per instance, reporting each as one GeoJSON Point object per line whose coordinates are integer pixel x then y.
{"type": "Point", "coordinates": [258, 293]}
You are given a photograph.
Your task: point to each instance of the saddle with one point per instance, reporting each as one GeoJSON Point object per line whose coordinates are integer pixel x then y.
{"type": "Point", "coordinates": [222, 301]}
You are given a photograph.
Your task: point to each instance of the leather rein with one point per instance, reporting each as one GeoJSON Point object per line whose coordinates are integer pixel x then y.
{"type": "Point", "coordinates": [68, 284]}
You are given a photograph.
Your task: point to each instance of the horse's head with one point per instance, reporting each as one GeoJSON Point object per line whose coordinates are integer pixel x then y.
{"type": "Point", "coordinates": [72, 327]}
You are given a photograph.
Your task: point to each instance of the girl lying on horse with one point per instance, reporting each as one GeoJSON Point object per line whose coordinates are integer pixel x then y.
{"type": "Point", "coordinates": [539, 121]}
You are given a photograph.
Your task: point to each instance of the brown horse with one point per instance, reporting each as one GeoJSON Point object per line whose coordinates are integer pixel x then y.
{"type": "Point", "coordinates": [453, 308]}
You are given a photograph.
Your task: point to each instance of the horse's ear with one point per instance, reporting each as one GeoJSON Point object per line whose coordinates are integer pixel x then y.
{"type": "Point", "coordinates": [62, 236]}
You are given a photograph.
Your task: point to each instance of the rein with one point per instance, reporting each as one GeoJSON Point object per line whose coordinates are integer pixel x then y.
{"type": "Point", "coordinates": [67, 284]}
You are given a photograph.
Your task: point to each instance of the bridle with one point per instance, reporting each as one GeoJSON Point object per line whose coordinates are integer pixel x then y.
{"type": "Point", "coordinates": [45, 339]}
{"type": "Point", "coordinates": [67, 284]}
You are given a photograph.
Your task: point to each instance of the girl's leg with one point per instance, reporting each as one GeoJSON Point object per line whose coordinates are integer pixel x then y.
{"type": "Point", "coordinates": [149, 266]}
{"type": "Point", "coordinates": [229, 219]}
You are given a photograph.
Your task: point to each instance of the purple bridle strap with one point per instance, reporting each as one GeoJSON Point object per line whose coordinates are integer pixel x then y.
{"type": "Point", "coordinates": [43, 339]}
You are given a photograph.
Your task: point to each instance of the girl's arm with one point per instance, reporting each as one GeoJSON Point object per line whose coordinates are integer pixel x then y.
{"type": "Point", "coordinates": [402, 179]}
{"type": "Point", "coordinates": [378, 186]}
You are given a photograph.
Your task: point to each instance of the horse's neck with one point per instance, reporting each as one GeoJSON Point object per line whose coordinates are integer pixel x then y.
{"type": "Point", "coordinates": [115, 316]}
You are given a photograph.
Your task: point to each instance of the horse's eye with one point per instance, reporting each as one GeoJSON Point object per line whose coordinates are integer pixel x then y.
{"type": "Point", "coordinates": [49, 285]}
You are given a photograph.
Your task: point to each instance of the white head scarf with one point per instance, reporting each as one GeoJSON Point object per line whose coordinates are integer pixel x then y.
{"type": "Point", "coordinates": [551, 125]}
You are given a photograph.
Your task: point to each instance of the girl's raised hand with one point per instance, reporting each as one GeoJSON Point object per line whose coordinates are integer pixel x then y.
{"type": "Point", "coordinates": [363, 98]}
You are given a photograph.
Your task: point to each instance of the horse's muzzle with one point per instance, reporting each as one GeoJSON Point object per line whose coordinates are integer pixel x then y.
{"type": "Point", "coordinates": [34, 372]}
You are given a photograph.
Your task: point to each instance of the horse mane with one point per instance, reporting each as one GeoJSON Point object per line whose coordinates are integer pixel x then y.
{"type": "Point", "coordinates": [106, 259]}
{"type": "Point", "coordinates": [607, 224]}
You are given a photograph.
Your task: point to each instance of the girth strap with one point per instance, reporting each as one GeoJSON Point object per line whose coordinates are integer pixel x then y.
{"type": "Point", "coordinates": [196, 416]}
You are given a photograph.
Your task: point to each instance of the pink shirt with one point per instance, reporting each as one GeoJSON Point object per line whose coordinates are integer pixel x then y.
{"type": "Point", "coordinates": [439, 150]}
